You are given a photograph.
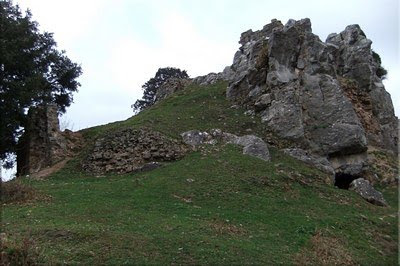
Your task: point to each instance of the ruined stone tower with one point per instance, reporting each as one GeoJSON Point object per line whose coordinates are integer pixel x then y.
{"type": "Point", "coordinates": [43, 144]}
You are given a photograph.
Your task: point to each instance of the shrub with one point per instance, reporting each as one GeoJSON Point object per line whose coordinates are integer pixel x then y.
{"type": "Point", "coordinates": [151, 86]}
{"type": "Point", "coordinates": [13, 253]}
{"type": "Point", "coordinates": [16, 192]}
{"type": "Point", "coordinates": [380, 71]}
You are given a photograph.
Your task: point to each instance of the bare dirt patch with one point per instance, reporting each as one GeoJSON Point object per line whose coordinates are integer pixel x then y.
{"type": "Point", "coordinates": [50, 170]}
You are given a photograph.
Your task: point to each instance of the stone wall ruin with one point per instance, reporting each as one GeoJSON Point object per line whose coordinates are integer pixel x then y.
{"type": "Point", "coordinates": [129, 150]}
{"type": "Point", "coordinates": [43, 144]}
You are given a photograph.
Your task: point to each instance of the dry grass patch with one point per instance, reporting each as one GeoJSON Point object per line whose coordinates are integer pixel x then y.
{"type": "Point", "coordinates": [17, 192]}
{"type": "Point", "coordinates": [385, 166]}
{"type": "Point", "coordinates": [17, 253]}
{"type": "Point", "coordinates": [387, 245]}
{"type": "Point", "coordinates": [324, 250]}
{"type": "Point", "coordinates": [226, 228]}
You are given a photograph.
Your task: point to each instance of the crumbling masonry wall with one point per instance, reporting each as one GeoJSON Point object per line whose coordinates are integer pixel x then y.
{"type": "Point", "coordinates": [43, 144]}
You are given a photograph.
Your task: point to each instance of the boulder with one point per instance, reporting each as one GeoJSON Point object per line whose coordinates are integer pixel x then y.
{"type": "Point", "coordinates": [259, 150]}
{"type": "Point", "coordinates": [247, 140]}
{"type": "Point", "coordinates": [367, 191]}
{"type": "Point", "coordinates": [252, 145]}
{"type": "Point", "coordinates": [195, 137]}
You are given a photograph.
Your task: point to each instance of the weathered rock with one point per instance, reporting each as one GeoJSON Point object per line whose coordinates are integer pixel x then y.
{"type": "Point", "coordinates": [262, 102]}
{"type": "Point", "coordinates": [259, 150]}
{"type": "Point", "coordinates": [318, 162]}
{"type": "Point", "coordinates": [131, 150]}
{"type": "Point", "coordinates": [171, 86]}
{"type": "Point", "coordinates": [368, 192]}
{"type": "Point", "coordinates": [208, 79]}
{"type": "Point", "coordinates": [195, 137]}
{"type": "Point", "coordinates": [43, 144]}
{"type": "Point", "coordinates": [252, 145]}
{"type": "Point", "coordinates": [352, 164]}
{"type": "Point", "coordinates": [325, 97]}
{"type": "Point", "coordinates": [247, 140]}
{"type": "Point", "coordinates": [213, 78]}
{"type": "Point", "coordinates": [359, 64]}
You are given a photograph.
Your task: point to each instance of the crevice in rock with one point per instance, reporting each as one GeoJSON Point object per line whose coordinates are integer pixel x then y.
{"type": "Point", "coordinates": [343, 180]}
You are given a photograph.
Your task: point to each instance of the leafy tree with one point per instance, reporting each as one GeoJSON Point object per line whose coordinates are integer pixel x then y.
{"type": "Point", "coordinates": [151, 86]}
{"type": "Point", "coordinates": [32, 72]}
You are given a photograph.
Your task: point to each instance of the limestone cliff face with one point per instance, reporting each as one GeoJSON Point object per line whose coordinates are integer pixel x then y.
{"type": "Point", "coordinates": [326, 97]}
{"type": "Point", "coordinates": [43, 144]}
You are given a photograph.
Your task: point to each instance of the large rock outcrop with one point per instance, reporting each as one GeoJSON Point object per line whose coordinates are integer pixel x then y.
{"type": "Point", "coordinates": [325, 97]}
{"type": "Point", "coordinates": [43, 144]}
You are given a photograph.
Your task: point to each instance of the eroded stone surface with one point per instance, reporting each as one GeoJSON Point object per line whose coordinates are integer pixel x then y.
{"type": "Point", "coordinates": [318, 162]}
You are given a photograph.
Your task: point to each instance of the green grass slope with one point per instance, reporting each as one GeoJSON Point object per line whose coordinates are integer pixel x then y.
{"type": "Point", "coordinates": [215, 206]}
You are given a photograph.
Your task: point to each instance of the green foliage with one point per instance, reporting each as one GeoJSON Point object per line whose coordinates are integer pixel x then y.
{"type": "Point", "coordinates": [380, 71]}
{"type": "Point", "coordinates": [151, 86]}
{"type": "Point", "coordinates": [376, 57]}
{"type": "Point", "coordinates": [32, 72]}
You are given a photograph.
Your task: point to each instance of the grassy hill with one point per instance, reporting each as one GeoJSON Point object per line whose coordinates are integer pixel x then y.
{"type": "Point", "coordinates": [215, 206]}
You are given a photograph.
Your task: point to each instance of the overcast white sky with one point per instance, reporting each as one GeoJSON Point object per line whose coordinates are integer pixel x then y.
{"type": "Point", "coordinates": [121, 43]}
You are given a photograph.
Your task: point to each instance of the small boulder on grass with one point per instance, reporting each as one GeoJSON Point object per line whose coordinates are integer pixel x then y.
{"type": "Point", "coordinates": [367, 191]}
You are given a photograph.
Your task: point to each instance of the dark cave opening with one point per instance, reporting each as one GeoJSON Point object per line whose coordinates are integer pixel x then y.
{"type": "Point", "coordinates": [343, 180]}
